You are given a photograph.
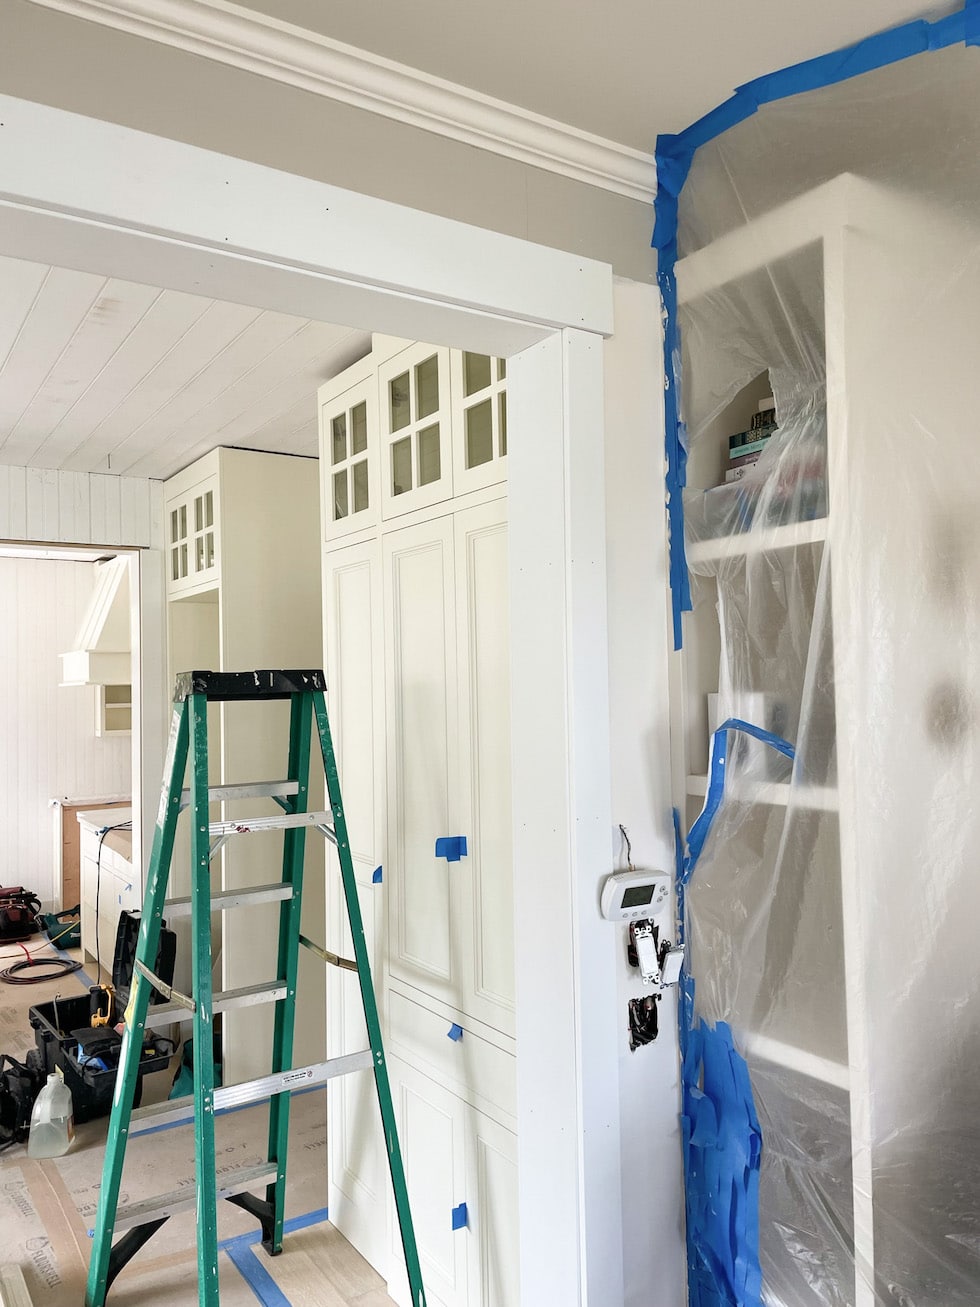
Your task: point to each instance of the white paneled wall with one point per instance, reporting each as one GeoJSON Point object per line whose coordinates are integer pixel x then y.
{"type": "Point", "coordinates": [77, 508]}
{"type": "Point", "coordinates": [48, 745]}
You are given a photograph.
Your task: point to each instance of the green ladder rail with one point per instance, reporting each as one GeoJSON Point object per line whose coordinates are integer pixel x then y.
{"type": "Point", "coordinates": [188, 747]}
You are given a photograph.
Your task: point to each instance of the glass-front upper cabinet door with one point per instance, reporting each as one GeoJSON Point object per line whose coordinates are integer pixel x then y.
{"type": "Point", "coordinates": [479, 421]}
{"type": "Point", "coordinates": [349, 460]}
{"type": "Point", "coordinates": [179, 566]}
{"type": "Point", "coordinates": [415, 415]}
{"type": "Point", "coordinates": [205, 554]}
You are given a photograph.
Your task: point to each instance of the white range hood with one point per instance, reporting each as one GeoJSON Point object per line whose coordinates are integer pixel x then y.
{"type": "Point", "coordinates": [101, 654]}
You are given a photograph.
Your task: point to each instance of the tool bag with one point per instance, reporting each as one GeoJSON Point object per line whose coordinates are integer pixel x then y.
{"type": "Point", "coordinates": [20, 1085]}
{"type": "Point", "coordinates": [20, 911]}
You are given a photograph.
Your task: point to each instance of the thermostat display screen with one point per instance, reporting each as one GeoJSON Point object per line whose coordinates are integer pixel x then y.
{"type": "Point", "coordinates": [637, 895]}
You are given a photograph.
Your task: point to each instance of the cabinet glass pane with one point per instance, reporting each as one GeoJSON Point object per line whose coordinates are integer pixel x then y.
{"type": "Point", "coordinates": [199, 553]}
{"type": "Point", "coordinates": [209, 549]}
{"type": "Point", "coordinates": [183, 560]}
{"type": "Point", "coordinates": [401, 466]}
{"type": "Point", "coordinates": [399, 402]}
{"type": "Point", "coordinates": [501, 369]}
{"type": "Point", "coordinates": [427, 387]}
{"type": "Point", "coordinates": [174, 536]}
{"type": "Point", "coordinates": [476, 373]}
{"type": "Point", "coordinates": [429, 468]}
{"type": "Point", "coordinates": [209, 508]}
{"type": "Point", "coordinates": [359, 476]}
{"type": "Point", "coordinates": [199, 513]}
{"type": "Point", "coordinates": [502, 423]}
{"type": "Point", "coordinates": [479, 434]}
{"type": "Point", "coordinates": [339, 495]}
{"type": "Point", "coordinates": [358, 429]}
{"type": "Point", "coordinates": [175, 564]}
{"type": "Point", "coordinates": [338, 431]}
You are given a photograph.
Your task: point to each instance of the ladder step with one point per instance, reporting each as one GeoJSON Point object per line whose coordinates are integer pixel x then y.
{"type": "Point", "coordinates": [177, 1110]}
{"type": "Point", "coordinates": [246, 825]}
{"type": "Point", "coordinates": [232, 898]}
{"type": "Point", "coordinates": [165, 1014]}
{"type": "Point", "coordinates": [247, 790]}
{"type": "Point", "coordinates": [185, 1199]}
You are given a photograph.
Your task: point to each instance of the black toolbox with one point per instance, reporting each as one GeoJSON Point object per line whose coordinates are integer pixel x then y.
{"type": "Point", "coordinates": [88, 1056]}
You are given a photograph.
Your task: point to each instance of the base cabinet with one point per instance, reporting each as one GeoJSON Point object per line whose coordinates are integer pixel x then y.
{"type": "Point", "coordinates": [462, 1181]}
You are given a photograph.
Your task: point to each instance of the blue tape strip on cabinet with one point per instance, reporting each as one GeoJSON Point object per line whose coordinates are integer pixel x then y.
{"type": "Point", "coordinates": [376, 875]}
{"type": "Point", "coordinates": [460, 1217]}
{"type": "Point", "coordinates": [455, 1032]}
{"type": "Point", "coordinates": [674, 155]}
{"type": "Point", "coordinates": [451, 847]}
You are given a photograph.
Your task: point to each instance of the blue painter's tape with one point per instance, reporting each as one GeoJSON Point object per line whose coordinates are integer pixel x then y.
{"type": "Point", "coordinates": [674, 155]}
{"type": "Point", "coordinates": [716, 783]}
{"type": "Point", "coordinates": [376, 875]}
{"type": "Point", "coordinates": [455, 1032]}
{"type": "Point", "coordinates": [257, 1277]}
{"type": "Point", "coordinates": [241, 1252]}
{"type": "Point", "coordinates": [460, 1217]}
{"type": "Point", "coordinates": [451, 847]}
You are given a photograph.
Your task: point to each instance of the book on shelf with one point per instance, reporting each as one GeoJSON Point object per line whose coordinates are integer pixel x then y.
{"type": "Point", "coordinates": [738, 459]}
{"type": "Point", "coordinates": [742, 441]}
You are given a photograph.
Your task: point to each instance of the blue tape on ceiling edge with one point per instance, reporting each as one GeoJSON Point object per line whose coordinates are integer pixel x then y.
{"type": "Point", "coordinates": [674, 155]}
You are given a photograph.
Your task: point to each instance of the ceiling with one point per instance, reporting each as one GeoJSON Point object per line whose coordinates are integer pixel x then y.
{"type": "Point", "coordinates": [102, 375]}
{"type": "Point", "coordinates": [624, 70]}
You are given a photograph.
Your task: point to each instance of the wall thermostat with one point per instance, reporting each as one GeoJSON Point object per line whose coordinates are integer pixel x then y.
{"type": "Point", "coordinates": [633, 895]}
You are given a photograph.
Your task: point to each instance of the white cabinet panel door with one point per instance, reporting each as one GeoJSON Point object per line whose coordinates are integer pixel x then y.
{"type": "Point", "coordinates": [492, 1209]}
{"type": "Point", "coordinates": [355, 679]}
{"type": "Point", "coordinates": [422, 756]}
{"type": "Point", "coordinates": [432, 1134]}
{"type": "Point", "coordinates": [486, 926]}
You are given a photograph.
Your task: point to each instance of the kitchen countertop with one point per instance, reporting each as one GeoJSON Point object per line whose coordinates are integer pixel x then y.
{"type": "Point", "coordinates": [120, 841]}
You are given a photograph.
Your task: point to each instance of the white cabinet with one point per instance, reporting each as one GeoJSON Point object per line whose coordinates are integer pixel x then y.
{"type": "Point", "coordinates": [191, 505]}
{"type": "Point", "coordinates": [253, 524]}
{"type": "Point", "coordinates": [109, 884]}
{"type": "Point", "coordinates": [417, 652]}
{"type": "Point", "coordinates": [819, 587]}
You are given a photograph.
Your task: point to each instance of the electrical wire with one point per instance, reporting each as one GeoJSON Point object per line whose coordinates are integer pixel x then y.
{"type": "Point", "coordinates": [123, 825]}
{"type": "Point", "coordinates": [61, 966]}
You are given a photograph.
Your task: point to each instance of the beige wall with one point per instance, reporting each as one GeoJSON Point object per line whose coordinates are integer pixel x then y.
{"type": "Point", "coordinates": [86, 68]}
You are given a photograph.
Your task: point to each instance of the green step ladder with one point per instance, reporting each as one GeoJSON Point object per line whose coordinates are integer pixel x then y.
{"type": "Point", "coordinates": [140, 1220]}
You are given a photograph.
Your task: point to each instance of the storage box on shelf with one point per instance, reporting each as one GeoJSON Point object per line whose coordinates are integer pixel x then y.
{"type": "Point", "coordinates": [417, 653]}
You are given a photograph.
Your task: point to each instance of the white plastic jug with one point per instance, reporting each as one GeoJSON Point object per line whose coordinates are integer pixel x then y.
{"type": "Point", "coordinates": [52, 1121]}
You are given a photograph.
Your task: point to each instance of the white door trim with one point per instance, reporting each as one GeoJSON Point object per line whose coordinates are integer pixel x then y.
{"type": "Point", "coordinates": [95, 195]}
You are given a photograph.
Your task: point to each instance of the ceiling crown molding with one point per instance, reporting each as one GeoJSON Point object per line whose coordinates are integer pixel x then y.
{"type": "Point", "coordinates": [260, 44]}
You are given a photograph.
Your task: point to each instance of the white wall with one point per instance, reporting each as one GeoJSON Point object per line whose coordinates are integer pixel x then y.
{"type": "Point", "coordinates": [48, 745]}
{"type": "Point", "coordinates": [636, 560]}
{"type": "Point", "coordinates": [45, 506]}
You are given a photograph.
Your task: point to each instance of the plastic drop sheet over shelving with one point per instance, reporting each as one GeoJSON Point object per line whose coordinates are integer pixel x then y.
{"type": "Point", "coordinates": [828, 253]}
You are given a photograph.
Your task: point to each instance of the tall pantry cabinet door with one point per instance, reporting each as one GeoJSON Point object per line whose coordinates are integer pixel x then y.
{"type": "Point", "coordinates": [353, 646]}
{"type": "Point", "coordinates": [420, 667]}
{"type": "Point", "coordinates": [486, 921]}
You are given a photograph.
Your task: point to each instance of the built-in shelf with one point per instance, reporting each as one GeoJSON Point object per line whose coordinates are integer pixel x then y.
{"type": "Point", "coordinates": [764, 1049]}
{"type": "Point", "coordinates": [765, 541]}
{"type": "Point", "coordinates": [778, 794]}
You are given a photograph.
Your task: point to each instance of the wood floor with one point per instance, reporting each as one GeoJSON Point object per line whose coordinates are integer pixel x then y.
{"type": "Point", "coordinates": [47, 1207]}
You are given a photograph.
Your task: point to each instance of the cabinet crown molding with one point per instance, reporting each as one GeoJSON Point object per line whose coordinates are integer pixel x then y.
{"type": "Point", "coordinates": [260, 44]}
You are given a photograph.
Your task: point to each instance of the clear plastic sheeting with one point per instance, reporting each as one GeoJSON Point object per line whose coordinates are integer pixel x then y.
{"type": "Point", "coordinates": [829, 267]}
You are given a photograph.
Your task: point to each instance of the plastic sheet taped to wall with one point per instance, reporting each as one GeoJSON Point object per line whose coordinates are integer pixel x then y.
{"type": "Point", "coordinates": [823, 344]}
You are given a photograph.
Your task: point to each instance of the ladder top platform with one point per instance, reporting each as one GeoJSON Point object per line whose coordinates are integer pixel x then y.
{"type": "Point", "coordinates": [234, 686]}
